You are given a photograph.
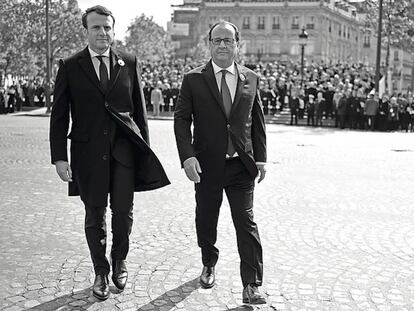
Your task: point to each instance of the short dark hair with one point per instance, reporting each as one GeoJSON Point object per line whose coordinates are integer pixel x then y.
{"type": "Point", "coordinates": [223, 22]}
{"type": "Point", "coordinates": [98, 9]}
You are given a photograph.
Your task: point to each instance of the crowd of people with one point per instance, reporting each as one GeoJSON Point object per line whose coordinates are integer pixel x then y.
{"type": "Point", "coordinates": [21, 93]}
{"type": "Point", "coordinates": [344, 93]}
{"type": "Point", "coordinates": [341, 92]}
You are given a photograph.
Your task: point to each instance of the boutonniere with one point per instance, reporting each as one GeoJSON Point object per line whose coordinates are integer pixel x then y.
{"type": "Point", "coordinates": [242, 77]}
{"type": "Point", "coordinates": [121, 62]}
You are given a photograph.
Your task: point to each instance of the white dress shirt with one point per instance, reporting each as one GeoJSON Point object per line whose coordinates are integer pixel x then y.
{"type": "Point", "coordinates": [231, 78]}
{"type": "Point", "coordinates": [96, 62]}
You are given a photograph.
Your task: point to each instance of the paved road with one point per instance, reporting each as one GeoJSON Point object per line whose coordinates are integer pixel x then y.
{"type": "Point", "coordinates": [335, 215]}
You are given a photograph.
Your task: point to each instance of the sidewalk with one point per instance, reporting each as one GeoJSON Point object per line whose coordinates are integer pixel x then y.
{"type": "Point", "coordinates": [282, 117]}
{"type": "Point", "coordinates": [335, 215]}
{"type": "Point", "coordinates": [35, 112]}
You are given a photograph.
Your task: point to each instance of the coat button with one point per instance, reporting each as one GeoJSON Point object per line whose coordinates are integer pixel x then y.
{"type": "Point", "coordinates": [105, 157]}
{"type": "Point", "coordinates": [105, 132]}
{"type": "Point", "coordinates": [106, 105]}
{"type": "Point", "coordinates": [228, 126]}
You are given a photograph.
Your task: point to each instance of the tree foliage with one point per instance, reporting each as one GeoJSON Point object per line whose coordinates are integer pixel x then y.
{"type": "Point", "coordinates": [397, 21]}
{"type": "Point", "coordinates": [200, 52]}
{"type": "Point", "coordinates": [13, 24]}
{"type": "Point", "coordinates": [147, 40]}
{"type": "Point", "coordinates": [23, 34]}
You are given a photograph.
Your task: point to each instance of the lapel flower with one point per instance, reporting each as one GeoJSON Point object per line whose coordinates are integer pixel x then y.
{"type": "Point", "coordinates": [121, 62]}
{"type": "Point", "coordinates": [242, 77]}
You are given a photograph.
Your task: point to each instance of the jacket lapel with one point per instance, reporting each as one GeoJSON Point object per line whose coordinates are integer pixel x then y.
{"type": "Point", "coordinates": [115, 66]}
{"type": "Point", "coordinates": [210, 78]}
{"type": "Point", "coordinates": [241, 81]}
{"type": "Point", "coordinates": [85, 63]}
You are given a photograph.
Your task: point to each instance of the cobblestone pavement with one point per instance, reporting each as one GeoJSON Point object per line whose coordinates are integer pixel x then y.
{"type": "Point", "coordinates": [335, 215]}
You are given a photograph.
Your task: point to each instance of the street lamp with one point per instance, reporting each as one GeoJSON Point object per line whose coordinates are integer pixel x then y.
{"type": "Point", "coordinates": [47, 85]}
{"type": "Point", "coordinates": [303, 39]}
{"type": "Point", "coordinates": [378, 61]}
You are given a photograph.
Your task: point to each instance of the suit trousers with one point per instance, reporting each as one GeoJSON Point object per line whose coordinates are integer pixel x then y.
{"type": "Point", "coordinates": [239, 188]}
{"type": "Point", "coordinates": [121, 194]}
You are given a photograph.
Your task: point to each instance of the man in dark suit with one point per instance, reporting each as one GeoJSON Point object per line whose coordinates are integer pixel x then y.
{"type": "Point", "coordinates": [100, 90]}
{"type": "Point", "coordinates": [226, 151]}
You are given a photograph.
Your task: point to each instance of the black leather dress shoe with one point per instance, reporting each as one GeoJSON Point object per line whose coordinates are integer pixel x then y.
{"type": "Point", "coordinates": [101, 286]}
{"type": "Point", "coordinates": [119, 273]}
{"type": "Point", "coordinates": [252, 295]}
{"type": "Point", "coordinates": [207, 277]}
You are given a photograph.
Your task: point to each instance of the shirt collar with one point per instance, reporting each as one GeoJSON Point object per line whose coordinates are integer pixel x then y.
{"type": "Point", "coordinates": [217, 69]}
{"type": "Point", "coordinates": [94, 54]}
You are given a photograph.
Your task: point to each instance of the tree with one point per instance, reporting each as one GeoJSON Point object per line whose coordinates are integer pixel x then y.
{"type": "Point", "coordinates": [398, 23]}
{"type": "Point", "coordinates": [147, 40]}
{"type": "Point", "coordinates": [200, 53]}
{"type": "Point", "coordinates": [66, 33]}
{"type": "Point", "coordinates": [23, 34]}
{"type": "Point", "coordinates": [13, 50]}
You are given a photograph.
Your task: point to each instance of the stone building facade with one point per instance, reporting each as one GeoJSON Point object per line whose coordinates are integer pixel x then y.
{"type": "Point", "coordinates": [270, 30]}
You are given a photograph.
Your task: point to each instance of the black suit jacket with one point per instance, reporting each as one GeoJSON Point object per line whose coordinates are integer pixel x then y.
{"type": "Point", "coordinates": [97, 116]}
{"type": "Point", "coordinates": [200, 104]}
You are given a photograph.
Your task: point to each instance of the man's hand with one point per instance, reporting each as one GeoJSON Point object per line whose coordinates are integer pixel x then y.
{"type": "Point", "coordinates": [63, 170]}
{"type": "Point", "coordinates": [192, 169]}
{"type": "Point", "coordinates": [262, 171]}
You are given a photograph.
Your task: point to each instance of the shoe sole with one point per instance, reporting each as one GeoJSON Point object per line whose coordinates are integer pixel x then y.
{"type": "Point", "coordinates": [258, 302]}
{"type": "Point", "coordinates": [100, 297]}
{"type": "Point", "coordinates": [119, 288]}
{"type": "Point", "coordinates": [206, 286]}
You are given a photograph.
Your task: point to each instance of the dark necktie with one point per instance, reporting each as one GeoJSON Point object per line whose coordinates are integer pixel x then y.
{"type": "Point", "coordinates": [103, 73]}
{"type": "Point", "coordinates": [227, 102]}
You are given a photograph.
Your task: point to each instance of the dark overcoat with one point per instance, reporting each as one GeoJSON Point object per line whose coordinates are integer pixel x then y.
{"type": "Point", "coordinates": [95, 115]}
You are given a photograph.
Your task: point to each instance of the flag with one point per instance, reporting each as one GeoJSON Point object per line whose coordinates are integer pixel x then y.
{"type": "Point", "coordinates": [381, 87]}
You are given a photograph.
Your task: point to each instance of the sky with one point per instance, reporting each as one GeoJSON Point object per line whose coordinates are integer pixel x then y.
{"type": "Point", "coordinates": [126, 10]}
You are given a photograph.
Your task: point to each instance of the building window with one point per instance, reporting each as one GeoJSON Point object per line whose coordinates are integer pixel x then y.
{"type": "Point", "coordinates": [211, 21]}
{"type": "Point", "coordinates": [227, 18]}
{"type": "Point", "coordinates": [340, 30]}
{"type": "Point", "coordinates": [295, 22]}
{"type": "Point", "coordinates": [310, 24]}
{"type": "Point", "coordinates": [276, 22]}
{"type": "Point", "coordinates": [261, 22]}
{"type": "Point", "coordinates": [330, 27]}
{"type": "Point", "coordinates": [396, 56]}
{"type": "Point", "coordinates": [246, 22]}
{"type": "Point", "coordinates": [367, 41]}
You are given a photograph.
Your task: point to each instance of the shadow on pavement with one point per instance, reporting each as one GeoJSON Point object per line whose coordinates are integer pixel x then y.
{"type": "Point", "coordinates": [74, 301]}
{"type": "Point", "coordinates": [80, 300]}
{"type": "Point", "coordinates": [242, 308]}
{"type": "Point", "coordinates": [171, 298]}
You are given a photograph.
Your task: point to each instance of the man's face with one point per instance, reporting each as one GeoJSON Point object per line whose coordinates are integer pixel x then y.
{"type": "Point", "coordinates": [224, 52]}
{"type": "Point", "coordinates": [100, 32]}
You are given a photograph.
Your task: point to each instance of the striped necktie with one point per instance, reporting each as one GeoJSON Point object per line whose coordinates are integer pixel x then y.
{"type": "Point", "coordinates": [227, 102]}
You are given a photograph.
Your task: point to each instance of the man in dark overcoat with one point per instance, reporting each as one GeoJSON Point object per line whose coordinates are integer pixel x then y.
{"type": "Point", "coordinates": [99, 91]}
